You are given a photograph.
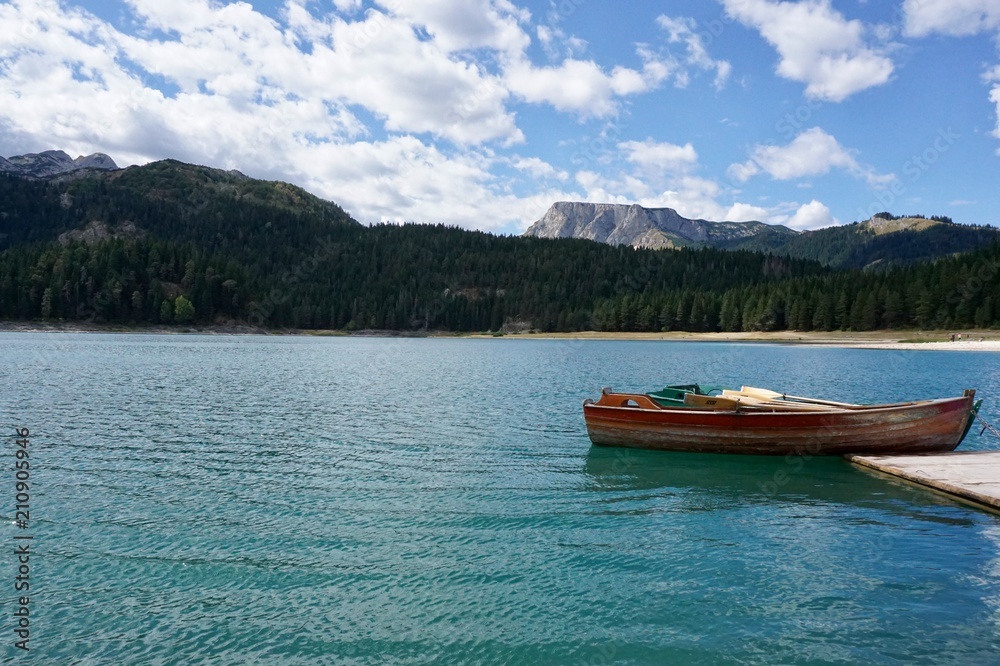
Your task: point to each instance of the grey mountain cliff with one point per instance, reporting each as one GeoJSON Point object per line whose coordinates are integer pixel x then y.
{"type": "Point", "coordinates": [655, 228]}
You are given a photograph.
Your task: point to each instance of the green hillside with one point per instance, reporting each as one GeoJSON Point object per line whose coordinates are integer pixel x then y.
{"type": "Point", "coordinates": [881, 242]}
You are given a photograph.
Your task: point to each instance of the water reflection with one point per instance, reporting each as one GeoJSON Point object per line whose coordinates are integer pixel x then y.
{"type": "Point", "coordinates": [730, 481]}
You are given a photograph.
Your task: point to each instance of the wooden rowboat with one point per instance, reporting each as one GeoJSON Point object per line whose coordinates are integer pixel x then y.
{"type": "Point", "coordinates": [751, 422]}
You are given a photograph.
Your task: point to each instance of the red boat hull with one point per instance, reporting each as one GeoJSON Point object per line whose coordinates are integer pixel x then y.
{"type": "Point", "coordinates": [918, 427]}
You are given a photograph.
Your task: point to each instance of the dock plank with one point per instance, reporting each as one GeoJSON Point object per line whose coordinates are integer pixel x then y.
{"type": "Point", "coordinates": [973, 476]}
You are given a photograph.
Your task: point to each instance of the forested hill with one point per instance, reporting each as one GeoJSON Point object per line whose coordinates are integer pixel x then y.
{"type": "Point", "coordinates": [216, 210]}
{"type": "Point", "coordinates": [170, 243]}
{"type": "Point", "coordinates": [879, 243]}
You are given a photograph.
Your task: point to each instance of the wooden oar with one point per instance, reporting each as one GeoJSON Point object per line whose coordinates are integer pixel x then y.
{"type": "Point", "coordinates": [730, 402]}
{"type": "Point", "coordinates": [754, 400]}
{"type": "Point", "coordinates": [774, 395]}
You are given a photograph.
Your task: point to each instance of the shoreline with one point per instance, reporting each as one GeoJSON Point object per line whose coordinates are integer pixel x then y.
{"type": "Point", "coordinates": [890, 339]}
{"type": "Point", "coordinates": [972, 340]}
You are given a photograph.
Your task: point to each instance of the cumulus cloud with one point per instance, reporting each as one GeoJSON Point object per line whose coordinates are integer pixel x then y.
{"type": "Point", "coordinates": [659, 156]}
{"type": "Point", "coordinates": [458, 25]}
{"type": "Point", "coordinates": [539, 168]}
{"type": "Point", "coordinates": [811, 153]}
{"type": "Point", "coordinates": [950, 17]}
{"type": "Point", "coordinates": [817, 46]}
{"type": "Point", "coordinates": [813, 215]}
{"type": "Point", "coordinates": [743, 212]}
{"type": "Point", "coordinates": [582, 86]}
{"type": "Point", "coordinates": [347, 6]}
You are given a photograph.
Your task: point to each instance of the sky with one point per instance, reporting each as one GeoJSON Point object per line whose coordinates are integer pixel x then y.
{"type": "Point", "coordinates": [482, 113]}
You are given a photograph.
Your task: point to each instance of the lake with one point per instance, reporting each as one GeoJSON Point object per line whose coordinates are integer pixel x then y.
{"type": "Point", "coordinates": [298, 500]}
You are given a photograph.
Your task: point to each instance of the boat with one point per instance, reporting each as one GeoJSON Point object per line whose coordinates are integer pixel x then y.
{"type": "Point", "coordinates": [693, 418]}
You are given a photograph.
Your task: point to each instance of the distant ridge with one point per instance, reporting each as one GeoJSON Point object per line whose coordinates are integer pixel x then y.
{"type": "Point", "coordinates": [53, 163]}
{"type": "Point", "coordinates": [882, 241]}
{"type": "Point", "coordinates": [653, 228]}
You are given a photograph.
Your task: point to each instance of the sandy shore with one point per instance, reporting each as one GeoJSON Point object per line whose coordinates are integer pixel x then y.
{"type": "Point", "coordinates": [964, 345]}
{"type": "Point", "coordinates": [983, 341]}
{"type": "Point", "coordinates": [916, 340]}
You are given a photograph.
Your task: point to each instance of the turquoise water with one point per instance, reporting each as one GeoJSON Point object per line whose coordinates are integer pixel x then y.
{"type": "Point", "coordinates": [279, 500]}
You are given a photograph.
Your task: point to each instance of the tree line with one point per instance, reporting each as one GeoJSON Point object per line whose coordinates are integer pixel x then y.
{"type": "Point", "coordinates": [417, 277]}
{"type": "Point", "coordinates": [210, 247]}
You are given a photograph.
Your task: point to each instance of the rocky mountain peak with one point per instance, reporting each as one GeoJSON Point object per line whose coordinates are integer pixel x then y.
{"type": "Point", "coordinates": [632, 224]}
{"type": "Point", "coordinates": [53, 163]}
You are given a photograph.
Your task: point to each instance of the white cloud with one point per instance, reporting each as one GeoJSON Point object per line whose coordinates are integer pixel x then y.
{"type": "Point", "coordinates": [539, 168]}
{"type": "Point", "coordinates": [575, 85]}
{"type": "Point", "coordinates": [682, 30]}
{"type": "Point", "coordinates": [655, 156]}
{"type": "Point", "coordinates": [813, 215]}
{"type": "Point", "coordinates": [811, 153]}
{"type": "Point", "coordinates": [182, 16]}
{"type": "Point", "coordinates": [347, 6]}
{"type": "Point", "coordinates": [993, 77]}
{"type": "Point", "coordinates": [581, 86]}
{"type": "Point", "coordinates": [691, 196]}
{"type": "Point", "coordinates": [377, 63]}
{"type": "Point", "coordinates": [457, 25]}
{"type": "Point", "coordinates": [817, 45]}
{"type": "Point", "coordinates": [742, 212]}
{"type": "Point", "coordinates": [950, 17]}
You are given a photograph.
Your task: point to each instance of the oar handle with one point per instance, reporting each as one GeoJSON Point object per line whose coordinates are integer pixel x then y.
{"type": "Point", "coordinates": [774, 395]}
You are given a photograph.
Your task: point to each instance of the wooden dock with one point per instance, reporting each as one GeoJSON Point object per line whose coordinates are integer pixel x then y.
{"type": "Point", "coordinates": [971, 476]}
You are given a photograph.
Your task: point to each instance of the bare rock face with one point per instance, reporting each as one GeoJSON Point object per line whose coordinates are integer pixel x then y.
{"type": "Point", "coordinates": [53, 163]}
{"type": "Point", "coordinates": [95, 161]}
{"type": "Point", "coordinates": [654, 228]}
{"type": "Point", "coordinates": [97, 230]}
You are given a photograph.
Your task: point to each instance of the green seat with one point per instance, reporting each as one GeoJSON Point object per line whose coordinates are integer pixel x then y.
{"type": "Point", "coordinates": [673, 396]}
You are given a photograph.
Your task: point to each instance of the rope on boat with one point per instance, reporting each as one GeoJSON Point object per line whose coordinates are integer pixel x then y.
{"type": "Point", "coordinates": [987, 426]}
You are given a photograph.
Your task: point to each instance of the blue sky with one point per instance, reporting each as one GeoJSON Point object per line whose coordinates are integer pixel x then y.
{"type": "Point", "coordinates": [482, 113]}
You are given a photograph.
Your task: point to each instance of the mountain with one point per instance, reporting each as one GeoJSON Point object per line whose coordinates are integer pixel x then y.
{"type": "Point", "coordinates": [653, 228]}
{"type": "Point", "coordinates": [53, 162]}
{"type": "Point", "coordinates": [881, 242]}
{"type": "Point", "coordinates": [184, 203]}
{"type": "Point", "coordinates": [878, 243]}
